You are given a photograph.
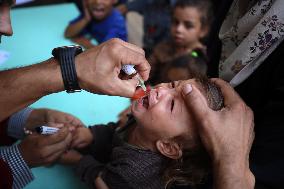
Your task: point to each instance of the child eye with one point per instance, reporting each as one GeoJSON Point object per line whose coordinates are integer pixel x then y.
{"type": "Point", "coordinates": [173, 84]}
{"type": "Point", "coordinates": [175, 22]}
{"type": "Point", "coordinates": [188, 25]}
{"type": "Point", "coordinates": [172, 105]}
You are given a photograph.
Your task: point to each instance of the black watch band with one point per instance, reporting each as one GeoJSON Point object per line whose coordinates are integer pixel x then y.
{"type": "Point", "coordinates": [66, 57]}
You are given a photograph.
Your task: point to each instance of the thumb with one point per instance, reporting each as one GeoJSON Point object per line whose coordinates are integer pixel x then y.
{"type": "Point", "coordinates": [126, 88]}
{"type": "Point", "coordinates": [196, 102]}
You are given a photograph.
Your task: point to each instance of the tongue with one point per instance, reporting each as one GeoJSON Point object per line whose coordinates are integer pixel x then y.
{"type": "Point", "coordinates": [139, 93]}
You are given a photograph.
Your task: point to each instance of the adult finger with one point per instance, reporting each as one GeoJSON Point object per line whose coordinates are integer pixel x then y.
{"type": "Point", "coordinates": [125, 88]}
{"type": "Point", "coordinates": [136, 56]}
{"type": "Point", "coordinates": [132, 47]}
{"type": "Point", "coordinates": [77, 122]}
{"type": "Point", "coordinates": [60, 146]}
{"type": "Point", "coordinates": [100, 184]}
{"type": "Point", "coordinates": [196, 102]}
{"type": "Point", "coordinates": [230, 96]}
{"type": "Point", "coordinates": [142, 66]}
{"type": "Point", "coordinates": [56, 125]}
{"type": "Point", "coordinates": [53, 157]}
{"type": "Point", "coordinates": [57, 137]}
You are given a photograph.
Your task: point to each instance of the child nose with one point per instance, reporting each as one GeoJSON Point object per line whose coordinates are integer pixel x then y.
{"type": "Point", "coordinates": [179, 28]}
{"type": "Point", "coordinates": [162, 91]}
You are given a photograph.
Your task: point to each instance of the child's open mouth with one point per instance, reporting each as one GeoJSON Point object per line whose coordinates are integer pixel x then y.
{"type": "Point", "coordinates": [98, 12]}
{"type": "Point", "coordinates": [145, 101]}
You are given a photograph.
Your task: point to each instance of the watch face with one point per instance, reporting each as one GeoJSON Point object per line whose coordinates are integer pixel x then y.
{"type": "Point", "coordinates": [77, 47]}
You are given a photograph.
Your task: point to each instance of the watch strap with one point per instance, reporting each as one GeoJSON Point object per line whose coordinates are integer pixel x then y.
{"type": "Point", "coordinates": [66, 57]}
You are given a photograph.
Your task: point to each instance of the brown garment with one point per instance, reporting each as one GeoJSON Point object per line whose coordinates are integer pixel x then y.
{"type": "Point", "coordinates": [126, 166]}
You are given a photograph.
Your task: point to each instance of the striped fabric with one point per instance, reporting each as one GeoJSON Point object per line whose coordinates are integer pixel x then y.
{"type": "Point", "coordinates": [17, 122]}
{"type": "Point", "coordinates": [22, 175]}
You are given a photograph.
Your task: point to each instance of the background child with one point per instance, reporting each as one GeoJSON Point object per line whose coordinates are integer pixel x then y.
{"type": "Point", "coordinates": [190, 25]}
{"type": "Point", "coordinates": [156, 19]}
{"type": "Point", "coordinates": [160, 147]}
{"type": "Point", "coordinates": [181, 68]}
{"type": "Point", "coordinates": [99, 20]}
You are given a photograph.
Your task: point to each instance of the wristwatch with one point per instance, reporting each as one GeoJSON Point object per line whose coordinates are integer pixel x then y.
{"type": "Point", "coordinates": [66, 57]}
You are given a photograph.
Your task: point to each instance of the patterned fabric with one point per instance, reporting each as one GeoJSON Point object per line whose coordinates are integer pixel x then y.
{"type": "Point", "coordinates": [127, 167]}
{"type": "Point", "coordinates": [248, 39]}
{"type": "Point", "coordinates": [22, 175]}
{"type": "Point", "coordinates": [17, 122]}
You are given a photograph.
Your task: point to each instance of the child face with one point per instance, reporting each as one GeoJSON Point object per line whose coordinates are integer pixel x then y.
{"type": "Point", "coordinates": [100, 9]}
{"type": "Point", "coordinates": [163, 113]}
{"type": "Point", "coordinates": [186, 27]}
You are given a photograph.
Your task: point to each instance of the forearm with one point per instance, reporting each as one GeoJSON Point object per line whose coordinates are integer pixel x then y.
{"type": "Point", "coordinates": [27, 85]}
{"type": "Point", "coordinates": [232, 176]}
{"type": "Point", "coordinates": [74, 29]}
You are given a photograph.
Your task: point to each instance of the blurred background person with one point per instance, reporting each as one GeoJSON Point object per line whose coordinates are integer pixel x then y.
{"type": "Point", "coordinates": [98, 20]}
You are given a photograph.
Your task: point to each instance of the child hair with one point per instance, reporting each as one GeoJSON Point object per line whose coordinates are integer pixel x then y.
{"type": "Point", "coordinates": [183, 67]}
{"type": "Point", "coordinates": [204, 6]}
{"type": "Point", "coordinates": [194, 165]}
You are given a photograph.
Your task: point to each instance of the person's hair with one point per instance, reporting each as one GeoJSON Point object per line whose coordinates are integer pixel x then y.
{"type": "Point", "coordinates": [194, 165]}
{"type": "Point", "coordinates": [204, 7]}
{"type": "Point", "coordinates": [9, 2]}
{"type": "Point", "coordinates": [183, 67]}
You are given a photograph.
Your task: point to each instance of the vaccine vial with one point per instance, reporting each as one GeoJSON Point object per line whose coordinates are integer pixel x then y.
{"type": "Point", "coordinates": [130, 70]}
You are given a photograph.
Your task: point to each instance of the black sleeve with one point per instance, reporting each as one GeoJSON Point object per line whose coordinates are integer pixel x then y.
{"type": "Point", "coordinates": [101, 146]}
{"type": "Point", "coordinates": [88, 170]}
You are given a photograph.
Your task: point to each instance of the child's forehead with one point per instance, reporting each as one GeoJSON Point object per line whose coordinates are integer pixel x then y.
{"type": "Point", "coordinates": [179, 84]}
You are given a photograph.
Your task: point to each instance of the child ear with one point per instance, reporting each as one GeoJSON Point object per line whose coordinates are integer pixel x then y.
{"type": "Point", "coordinates": [169, 149]}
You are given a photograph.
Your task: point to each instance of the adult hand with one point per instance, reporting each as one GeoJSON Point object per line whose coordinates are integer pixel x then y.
{"type": "Point", "coordinates": [98, 68]}
{"type": "Point", "coordinates": [226, 134]}
{"type": "Point", "coordinates": [71, 157]}
{"type": "Point", "coordinates": [40, 117]}
{"type": "Point", "coordinates": [39, 150]}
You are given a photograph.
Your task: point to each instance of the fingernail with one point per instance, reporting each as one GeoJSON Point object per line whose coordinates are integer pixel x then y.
{"type": "Point", "coordinates": [187, 89]}
{"type": "Point", "coordinates": [59, 125]}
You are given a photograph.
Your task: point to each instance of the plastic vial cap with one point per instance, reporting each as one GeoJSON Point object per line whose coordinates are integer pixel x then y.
{"type": "Point", "coordinates": [128, 69]}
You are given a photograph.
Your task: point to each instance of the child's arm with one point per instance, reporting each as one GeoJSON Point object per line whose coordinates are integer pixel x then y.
{"type": "Point", "coordinates": [83, 41]}
{"type": "Point", "coordinates": [75, 28]}
{"type": "Point", "coordinates": [95, 140]}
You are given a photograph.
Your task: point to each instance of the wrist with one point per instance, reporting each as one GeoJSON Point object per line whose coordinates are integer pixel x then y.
{"type": "Point", "coordinates": [232, 174]}
{"type": "Point", "coordinates": [54, 82]}
{"type": "Point", "coordinates": [89, 136]}
{"type": "Point", "coordinates": [37, 117]}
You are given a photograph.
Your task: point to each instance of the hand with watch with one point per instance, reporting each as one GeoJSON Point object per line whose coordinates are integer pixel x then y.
{"type": "Point", "coordinates": [97, 70]}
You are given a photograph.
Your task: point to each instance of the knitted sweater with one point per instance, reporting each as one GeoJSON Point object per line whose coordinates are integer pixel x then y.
{"type": "Point", "coordinates": [120, 164]}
